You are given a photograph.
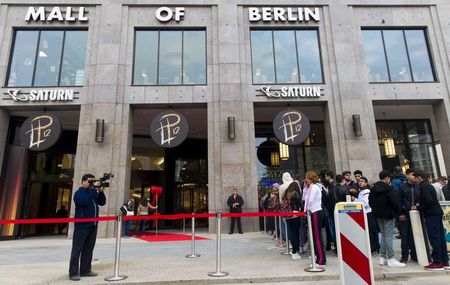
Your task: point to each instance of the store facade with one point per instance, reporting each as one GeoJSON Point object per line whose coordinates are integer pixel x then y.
{"type": "Point", "coordinates": [369, 77]}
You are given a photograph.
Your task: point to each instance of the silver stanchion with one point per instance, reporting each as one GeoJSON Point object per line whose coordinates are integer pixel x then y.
{"type": "Point", "coordinates": [281, 235]}
{"type": "Point", "coordinates": [218, 273]}
{"type": "Point", "coordinates": [184, 225]}
{"type": "Point", "coordinates": [264, 220]}
{"type": "Point", "coordinates": [276, 232]}
{"type": "Point", "coordinates": [193, 255]}
{"type": "Point", "coordinates": [116, 276]}
{"type": "Point", "coordinates": [313, 267]}
{"type": "Point", "coordinates": [287, 238]}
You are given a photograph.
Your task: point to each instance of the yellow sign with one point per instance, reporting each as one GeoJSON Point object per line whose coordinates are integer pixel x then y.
{"type": "Point", "coordinates": [349, 208]}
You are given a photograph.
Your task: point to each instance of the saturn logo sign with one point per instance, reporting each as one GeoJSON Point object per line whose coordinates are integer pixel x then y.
{"type": "Point", "coordinates": [40, 132]}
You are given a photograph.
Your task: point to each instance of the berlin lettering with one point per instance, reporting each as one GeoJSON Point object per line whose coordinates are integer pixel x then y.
{"type": "Point", "coordinates": [41, 95]}
{"type": "Point", "coordinates": [292, 92]}
{"type": "Point", "coordinates": [279, 14]}
{"type": "Point", "coordinates": [68, 15]}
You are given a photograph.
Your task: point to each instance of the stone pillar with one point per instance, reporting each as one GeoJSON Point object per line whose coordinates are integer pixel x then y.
{"type": "Point", "coordinates": [4, 124]}
{"type": "Point", "coordinates": [442, 118]}
{"type": "Point", "coordinates": [350, 97]}
{"type": "Point", "coordinates": [105, 101]}
{"type": "Point", "coordinates": [232, 160]}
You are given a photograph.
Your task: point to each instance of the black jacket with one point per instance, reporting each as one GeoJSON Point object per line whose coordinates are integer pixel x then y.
{"type": "Point", "coordinates": [383, 201]}
{"type": "Point", "coordinates": [331, 203]}
{"type": "Point", "coordinates": [231, 201]}
{"type": "Point", "coordinates": [446, 192]}
{"type": "Point", "coordinates": [407, 197]}
{"type": "Point", "coordinates": [340, 192]}
{"type": "Point", "coordinates": [428, 202]}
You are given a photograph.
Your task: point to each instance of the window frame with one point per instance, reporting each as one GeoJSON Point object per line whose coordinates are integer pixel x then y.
{"type": "Point", "coordinates": [295, 30]}
{"type": "Point", "coordinates": [403, 29]}
{"type": "Point", "coordinates": [40, 30]}
{"type": "Point", "coordinates": [182, 30]}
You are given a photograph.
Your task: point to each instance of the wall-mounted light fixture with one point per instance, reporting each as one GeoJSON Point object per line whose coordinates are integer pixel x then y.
{"type": "Point", "coordinates": [231, 128]}
{"type": "Point", "coordinates": [274, 158]}
{"type": "Point", "coordinates": [357, 125]}
{"type": "Point", "coordinates": [389, 147]}
{"type": "Point", "coordinates": [99, 130]}
{"type": "Point", "coordinates": [284, 151]}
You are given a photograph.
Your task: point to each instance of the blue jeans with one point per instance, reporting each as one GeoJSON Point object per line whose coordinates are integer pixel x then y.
{"type": "Point", "coordinates": [331, 228]}
{"type": "Point", "coordinates": [435, 230]}
{"type": "Point", "coordinates": [140, 224]}
{"type": "Point", "coordinates": [387, 238]}
{"type": "Point", "coordinates": [283, 229]}
{"type": "Point", "coordinates": [126, 229]}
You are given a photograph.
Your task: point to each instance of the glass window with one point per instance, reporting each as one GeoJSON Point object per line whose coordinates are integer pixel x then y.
{"type": "Point", "coordinates": [418, 55]}
{"type": "Point", "coordinates": [194, 57]}
{"type": "Point", "coordinates": [146, 58]}
{"type": "Point", "coordinates": [48, 58]}
{"type": "Point", "coordinates": [24, 55]}
{"type": "Point", "coordinates": [169, 58]}
{"type": "Point", "coordinates": [72, 70]}
{"type": "Point", "coordinates": [405, 51]}
{"type": "Point", "coordinates": [396, 56]}
{"type": "Point", "coordinates": [285, 57]}
{"type": "Point", "coordinates": [309, 57]}
{"type": "Point", "coordinates": [262, 57]}
{"type": "Point", "coordinates": [375, 59]}
{"type": "Point", "coordinates": [278, 55]}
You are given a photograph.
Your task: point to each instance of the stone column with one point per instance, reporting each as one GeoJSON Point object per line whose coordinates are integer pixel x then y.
{"type": "Point", "coordinates": [232, 159]}
{"type": "Point", "coordinates": [351, 97]}
{"type": "Point", "coordinates": [442, 115]}
{"type": "Point", "coordinates": [105, 101]}
{"type": "Point", "coordinates": [4, 124]}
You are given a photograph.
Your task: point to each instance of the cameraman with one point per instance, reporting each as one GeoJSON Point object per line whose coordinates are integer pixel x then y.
{"type": "Point", "coordinates": [87, 199]}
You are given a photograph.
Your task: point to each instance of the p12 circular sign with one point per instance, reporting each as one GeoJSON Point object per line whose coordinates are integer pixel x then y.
{"type": "Point", "coordinates": [40, 132]}
{"type": "Point", "coordinates": [169, 129]}
{"type": "Point", "coordinates": [291, 127]}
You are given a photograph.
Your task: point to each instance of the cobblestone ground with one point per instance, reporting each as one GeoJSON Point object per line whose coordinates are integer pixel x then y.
{"type": "Point", "coordinates": [249, 258]}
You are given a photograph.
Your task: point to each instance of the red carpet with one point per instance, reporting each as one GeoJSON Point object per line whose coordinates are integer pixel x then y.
{"type": "Point", "coordinates": [161, 237]}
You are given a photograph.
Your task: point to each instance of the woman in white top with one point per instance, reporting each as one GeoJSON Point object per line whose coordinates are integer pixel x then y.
{"type": "Point", "coordinates": [142, 210]}
{"type": "Point", "coordinates": [313, 203]}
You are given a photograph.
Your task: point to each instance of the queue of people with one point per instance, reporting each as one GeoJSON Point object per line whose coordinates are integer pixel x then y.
{"type": "Point", "coordinates": [387, 203]}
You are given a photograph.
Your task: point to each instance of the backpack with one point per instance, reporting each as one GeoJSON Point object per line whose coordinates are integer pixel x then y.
{"type": "Point", "coordinates": [325, 201]}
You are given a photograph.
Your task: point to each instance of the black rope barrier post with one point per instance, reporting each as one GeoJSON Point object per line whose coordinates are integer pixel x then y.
{"type": "Point", "coordinates": [116, 276]}
{"type": "Point", "coordinates": [312, 267]}
{"type": "Point", "coordinates": [287, 239]}
{"type": "Point", "coordinates": [218, 272]}
{"type": "Point", "coordinates": [193, 255]}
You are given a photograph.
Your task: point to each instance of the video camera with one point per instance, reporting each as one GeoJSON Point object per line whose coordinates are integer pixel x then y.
{"type": "Point", "coordinates": [103, 180]}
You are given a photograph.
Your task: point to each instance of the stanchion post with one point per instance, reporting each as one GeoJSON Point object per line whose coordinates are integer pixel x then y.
{"type": "Point", "coordinates": [264, 221]}
{"type": "Point", "coordinates": [193, 255]}
{"type": "Point", "coordinates": [281, 234]}
{"type": "Point", "coordinates": [184, 225]}
{"type": "Point", "coordinates": [116, 276]}
{"type": "Point", "coordinates": [218, 272]}
{"type": "Point", "coordinates": [287, 238]}
{"type": "Point", "coordinates": [313, 267]}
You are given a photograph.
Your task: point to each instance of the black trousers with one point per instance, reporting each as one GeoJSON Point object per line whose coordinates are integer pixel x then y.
{"type": "Point", "coordinates": [293, 226]}
{"type": "Point", "coordinates": [407, 244]}
{"type": "Point", "coordinates": [238, 220]}
{"type": "Point", "coordinates": [82, 248]}
{"type": "Point", "coordinates": [435, 230]}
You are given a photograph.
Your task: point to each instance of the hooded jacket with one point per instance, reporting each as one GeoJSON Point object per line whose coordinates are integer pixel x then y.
{"type": "Point", "coordinates": [383, 201]}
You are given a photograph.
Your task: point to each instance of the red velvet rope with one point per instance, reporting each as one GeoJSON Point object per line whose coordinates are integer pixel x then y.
{"type": "Point", "coordinates": [149, 217]}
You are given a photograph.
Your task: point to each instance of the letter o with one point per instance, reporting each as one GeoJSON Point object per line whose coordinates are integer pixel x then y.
{"type": "Point", "coordinates": [160, 14]}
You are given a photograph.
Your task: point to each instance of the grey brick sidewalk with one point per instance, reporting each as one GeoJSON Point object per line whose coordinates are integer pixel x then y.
{"type": "Point", "coordinates": [246, 257]}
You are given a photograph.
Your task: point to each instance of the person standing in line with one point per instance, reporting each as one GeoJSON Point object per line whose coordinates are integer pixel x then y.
{"type": "Point", "coordinates": [432, 211]}
{"type": "Point", "coordinates": [62, 213]}
{"type": "Point", "coordinates": [87, 200]}
{"type": "Point", "coordinates": [409, 196]}
{"type": "Point", "coordinates": [292, 203]}
{"type": "Point", "coordinates": [130, 212]}
{"type": "Point", "coordinates": [313, 203]}
{"type": "Point", "coordinates": [438, 185]}
{"type": "Point", "coordinates": [385, 206]}
{"type": "Point", "coordinates": [347, 175]}
{"type": "Point", "coordinates": [363, 197]}
{"type": "Point", "coordinates": [357, 174]}
{"type": "Point", "coordinates": [142, 210]}
{"type": "Point", "coordinates": [235, 203]}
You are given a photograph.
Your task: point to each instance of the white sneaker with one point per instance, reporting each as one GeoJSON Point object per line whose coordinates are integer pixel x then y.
{"type": "Point", "coordinates": [296, 256]}
{"type": "Point", "coordinates": [382, 261]}
{"type": "Point", "coordinates": [395, 264]}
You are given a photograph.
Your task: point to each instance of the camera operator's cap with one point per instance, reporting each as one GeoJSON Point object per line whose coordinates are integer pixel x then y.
{"type": "Point", "coordinates": [420, 173]}
{"type": "Point", "coordinates": [384, 173]}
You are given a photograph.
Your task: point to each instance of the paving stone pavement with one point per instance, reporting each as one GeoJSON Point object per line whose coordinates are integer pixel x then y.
{"type": "Point", "coordinates": [246, 257]}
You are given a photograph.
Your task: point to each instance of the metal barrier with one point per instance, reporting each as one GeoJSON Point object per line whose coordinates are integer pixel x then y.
{"type": "Point", "coordinates": [193, 255]}
{"type": "Point", "coordinates": [116, 276]}
{"type": "Point", "coordinates": [313, 267]}
{"type": "Point", "coordinates": [218, 272]}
